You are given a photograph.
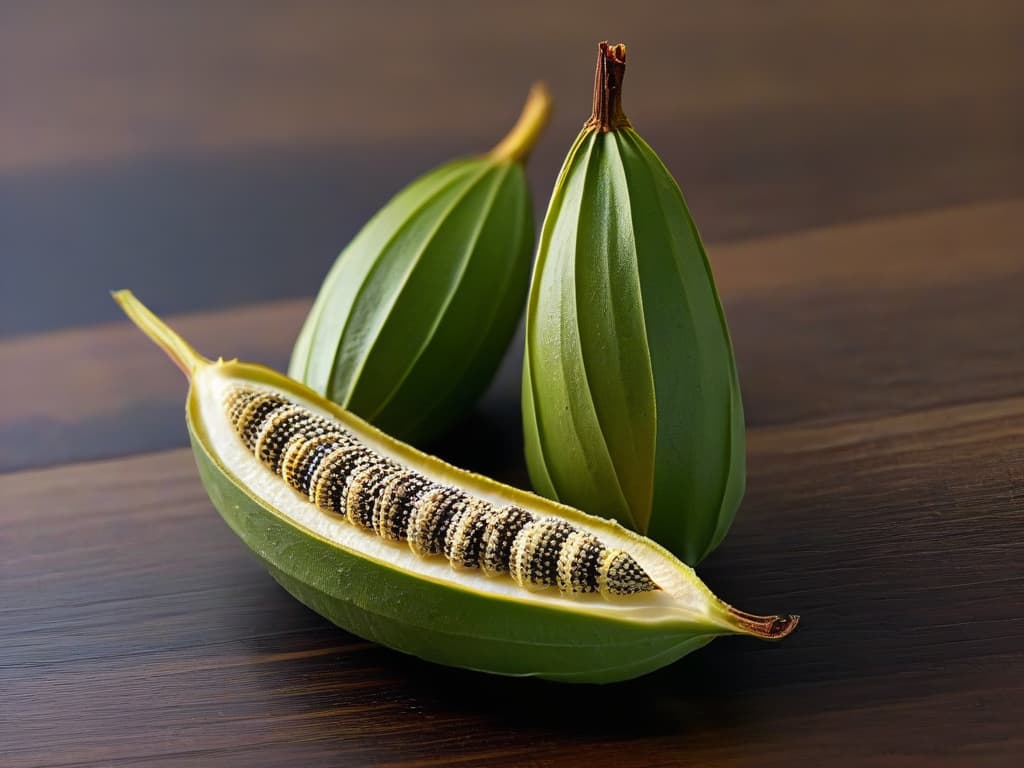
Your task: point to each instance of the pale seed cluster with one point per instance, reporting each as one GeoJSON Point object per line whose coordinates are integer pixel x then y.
{"type": "Point", "coordinates": [327, 464]}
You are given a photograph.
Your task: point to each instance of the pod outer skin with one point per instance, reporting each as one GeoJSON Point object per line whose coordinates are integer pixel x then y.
{"type": "Point", "coordinates": [386, 595]}
{"type": "Point", "coordinates": [439, 622]}
{"type": "Point", "coordinates": [631, 399]}
{"type": "Point", "coordinates": [415, 316]}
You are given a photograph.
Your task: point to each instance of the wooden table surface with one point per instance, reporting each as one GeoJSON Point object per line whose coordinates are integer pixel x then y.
{"type": "Point", "coordinates": [858, 171]}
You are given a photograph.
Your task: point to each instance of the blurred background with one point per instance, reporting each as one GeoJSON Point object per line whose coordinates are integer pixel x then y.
{"type": "Point", "coordinates": [209, 154]}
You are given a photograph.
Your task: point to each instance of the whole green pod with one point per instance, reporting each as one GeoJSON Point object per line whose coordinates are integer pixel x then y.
{"type": "Point", "coordinates": [413, 319]}
{"type": "Point", "coordinates": [631, 401]}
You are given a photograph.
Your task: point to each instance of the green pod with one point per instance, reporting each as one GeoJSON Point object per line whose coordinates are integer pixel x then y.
{"type": "Point", "coordinates": [631, 401]}
{"type": "Point", "coordinates": [414, 317]}
{"type": "Point", "coordinates": [373, 582]}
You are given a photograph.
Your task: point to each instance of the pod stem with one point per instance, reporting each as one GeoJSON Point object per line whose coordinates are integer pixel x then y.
{"type": "Point", "coordinates": [607, 114]}
{"type": "Point", "coordinates": [180, 351]}
{"type": "Point", "coordinates": [763, 627]}
{"type": "Point", "coordinates": [517, 145]}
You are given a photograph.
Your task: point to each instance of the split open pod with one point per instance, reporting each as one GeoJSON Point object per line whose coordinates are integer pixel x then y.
{"type": "Point", "coordinates": [403, 549]}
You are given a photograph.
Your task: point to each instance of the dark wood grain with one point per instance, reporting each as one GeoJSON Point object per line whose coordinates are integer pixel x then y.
{"type": "Point", "coordinates": [174, 146]}
{"type": "Point", "coordinates": [858, 171]}
{"type": "Point", "coordinates": [853, 321]}
{"type": "Point", "coordinates": [135, 620]}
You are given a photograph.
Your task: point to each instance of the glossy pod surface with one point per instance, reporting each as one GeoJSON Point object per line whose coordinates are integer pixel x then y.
{"type": "Point", "coordinates": [414, 317]}
{"type": "Point", "coordinates": [631, 400]}
{"type": "Point", "coordinates": [369, 580]}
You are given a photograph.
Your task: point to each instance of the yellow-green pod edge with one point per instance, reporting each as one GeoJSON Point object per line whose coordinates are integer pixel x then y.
{"type": "Point", "coordinates": [382, 591]}
{"type": "Point", "coordinates": [414, 317]}
{"type": "Point", "coordinates": [631, 397]}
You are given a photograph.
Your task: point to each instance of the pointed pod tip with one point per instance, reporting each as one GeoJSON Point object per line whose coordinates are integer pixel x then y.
{"type": "Point", "coordinates": [763, 627]}
{"type": "Point", "coordinates": [122, 296]}
{"type": "Point", "coordinates": [539, 92]}
{"type": "Point", "coordinates": [180, 351]}
{"type": "Point", "coordinates": [517, 145]}
{"type": "Point", "coordinates": [616, 53]}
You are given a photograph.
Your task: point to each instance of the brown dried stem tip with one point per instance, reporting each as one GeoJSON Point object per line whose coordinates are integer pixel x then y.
{"type": "Point", "coordinates": [607, 114]}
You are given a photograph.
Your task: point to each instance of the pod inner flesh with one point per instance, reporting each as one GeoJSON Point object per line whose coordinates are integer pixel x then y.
{"type": "Point", "coordinates": [681, 597]}
{"type": "Point", "coordinates": [325, 463]}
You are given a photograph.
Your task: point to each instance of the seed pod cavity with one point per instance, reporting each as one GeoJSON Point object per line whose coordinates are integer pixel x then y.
{"type": "Point", "coordinates": [387, 592]}
{"type": "Point", "coordinates": [341, 475]}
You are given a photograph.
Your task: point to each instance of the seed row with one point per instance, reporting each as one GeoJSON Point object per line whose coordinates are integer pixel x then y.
{"type": "Point", "coordinates": [325, 463]}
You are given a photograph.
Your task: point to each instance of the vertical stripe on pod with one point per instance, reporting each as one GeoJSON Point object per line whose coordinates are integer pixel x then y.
{"type": "Point", "coordinates": [302, 460]}
{"type": "Point", "coordinates": [432, 518]}
{"type": "Point", "coordinates": [330, 481]}
{"type": "Point", "coordinates": [394, 507]}
{"type": "Point", "coordinates": [363, 491]}
{"type": "Point", "coordinates": [544, 560]}
{"type": "Point", "coordinates": [449, 526]}
{"type": "Point", "coordinates": [463, 544]}
{"type": "Point", "coordinates": [235, 403]}
{"type": "Point", "coordinates": [575, 544]}
{"type": "Point", "coordinates": [277, 429]}
{"type": "Point", "coordinates": [419, 525]}
{"type": "Point", "coordinates": [253, 415]}
{"type": "Point", "coordinates": [523, 547]}
{"type": "Point", "coordinates": [502, 528]}
{"type": "Point", "coordinates": [586, 564]}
